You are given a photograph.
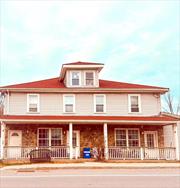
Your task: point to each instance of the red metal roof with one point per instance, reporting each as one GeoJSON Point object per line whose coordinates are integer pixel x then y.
{"type": "Point", "coordinates": [83, 63]}
{"type": "Point", "coordinates": [55, 83]}
{"type": "Point", "coordinates": [86, 118]}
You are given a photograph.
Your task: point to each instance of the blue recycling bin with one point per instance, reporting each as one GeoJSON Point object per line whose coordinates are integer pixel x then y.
{"type": "Point", "coordinates": [87, 153]}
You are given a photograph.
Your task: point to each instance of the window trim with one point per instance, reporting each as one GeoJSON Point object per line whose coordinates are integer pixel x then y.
{"type": "Point", "coordinates": [38, 103]}
{"type": "Point", "coordinates": [85, 78]}
{"type": "Point", "coordinates": [74, 103]}
{"type": "Point", "coordinates": [71, 72]}
{"type": "Point", "coordinates": [49, 129]}
{"type": "Point", "coordinates": [127, 140]}
{"type": "Point", "coordinates": [95, 103]}
{"type": "Point", "coordinates": [129, 103]}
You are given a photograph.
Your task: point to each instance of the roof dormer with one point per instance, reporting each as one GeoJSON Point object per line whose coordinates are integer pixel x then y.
{"type": "Point", "coordinates": [81, 74]}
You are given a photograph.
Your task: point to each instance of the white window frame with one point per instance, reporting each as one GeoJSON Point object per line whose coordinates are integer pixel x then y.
{"type": "Point", "coordinates": [71, 72]}
{"type": "Point", "coordinates": [129, 103]}
{"type": "Point", "coordinates": [127, 140]}
{"type": "Point", "coordinates": [95, 103]}
{"type": "Point", "coordinates": [85, 78]}
{"type": "Point", "coordinates": [38, 104]}
{"type": "Point", "coordinates": [49, 129]}
{"type": "Point", "coordinates": [74, 103]}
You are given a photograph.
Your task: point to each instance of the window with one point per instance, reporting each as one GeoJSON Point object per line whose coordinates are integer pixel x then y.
{"type": "Point", "coordinates": [99, 104]}
{"type": "Point", "coordinates": [49, 137]}
{"type": "Point", "coordinates": [134, 103]}
{"type": "Point", "coordinates": [69, 103]}
{"type": "Point", "coordinates": [33, 103]}
{"type": "Point", "coordinates": [75, 78]}
{"type": "Point", "coordinates": [127, 137]}
{"type": "Point", "coordinates": [89, 76]}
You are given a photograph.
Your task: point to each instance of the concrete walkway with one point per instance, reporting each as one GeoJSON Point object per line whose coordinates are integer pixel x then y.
{"type": "Point", "coordinates": [86, 165]}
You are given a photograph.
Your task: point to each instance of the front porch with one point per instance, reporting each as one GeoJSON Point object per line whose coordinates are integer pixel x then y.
{"type": "Point", "coordinates": [114, 153]}
{"type": "Point", "coordinates": [116, 141]}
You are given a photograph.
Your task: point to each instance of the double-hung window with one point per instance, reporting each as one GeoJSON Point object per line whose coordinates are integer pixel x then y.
{"type": "Point", "coordinates": [89, 78]}
{"type": "Point", "coordinates": [32, 103]}
{"type": "Point", "coordinates": [127, 137]}
{"type": "Point", "coordinates": [134, 103]}
{"type": "Point", "coordinates": [99, 103]}
{"type": "Point", "coordinates": [49, 137]}
{"type": "Point", "coordinates": [69, 103]}
{"type": "Point", "coordinates": [75, 78]}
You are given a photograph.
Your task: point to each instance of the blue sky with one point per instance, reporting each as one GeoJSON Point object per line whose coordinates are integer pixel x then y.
{"type": "Point", "coordinates": [138, 41]}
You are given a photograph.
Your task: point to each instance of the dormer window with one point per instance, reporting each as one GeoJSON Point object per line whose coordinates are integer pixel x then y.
{"type": "Point", "coordinates": [89, 78]}
{"type": "Point", "coordinates": [75, 78]}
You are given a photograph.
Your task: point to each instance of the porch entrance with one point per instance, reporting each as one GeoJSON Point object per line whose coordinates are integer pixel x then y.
{"type": "Point", "coordinates": [15, 142]}
{"type": "Point", "coordinates": [75, 142]}
{"type": "Point", "coordinates": [151, 144]}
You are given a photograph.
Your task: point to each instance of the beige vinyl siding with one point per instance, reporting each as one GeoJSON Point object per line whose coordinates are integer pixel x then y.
{"type": "Point", "coordinates": [51, 104]}
{"type": "Point", "coordinates": [150, 104]}
{"type": "Point", "coordinates": [116, 104]}
{"type": "Point", "coordinates": [18, 103]}
{"type": "Point", "coordinates": [84, 104]}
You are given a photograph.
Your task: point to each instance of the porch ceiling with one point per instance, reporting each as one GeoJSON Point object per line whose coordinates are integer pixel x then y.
{"type": "Point", "coordinates": [34, 119]}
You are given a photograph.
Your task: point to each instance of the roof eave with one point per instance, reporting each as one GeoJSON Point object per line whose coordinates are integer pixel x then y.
{"type": "Point", "coordinates": [88, 90]}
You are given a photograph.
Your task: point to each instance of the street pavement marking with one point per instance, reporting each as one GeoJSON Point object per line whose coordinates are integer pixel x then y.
{"type": "Point", "coordinates": [91, 175]}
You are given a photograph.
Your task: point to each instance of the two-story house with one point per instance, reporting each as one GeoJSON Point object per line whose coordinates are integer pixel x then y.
{"type": "Point", "coordinates": [77, 110]}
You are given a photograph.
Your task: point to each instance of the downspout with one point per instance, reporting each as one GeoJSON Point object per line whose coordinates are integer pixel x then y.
{"type": "Point", "coordinates": [7, 102]}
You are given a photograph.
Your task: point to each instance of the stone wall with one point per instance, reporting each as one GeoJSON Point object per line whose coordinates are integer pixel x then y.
{"type": "Point", "coordinates": [90, 135]}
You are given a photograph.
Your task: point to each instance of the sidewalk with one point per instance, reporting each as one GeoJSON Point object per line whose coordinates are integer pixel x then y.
{"type": "Point", "coordinates": [89, 165]}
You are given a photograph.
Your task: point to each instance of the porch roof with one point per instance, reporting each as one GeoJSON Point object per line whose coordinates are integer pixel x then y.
{"type": "Point", "coordinates": [160, 120]}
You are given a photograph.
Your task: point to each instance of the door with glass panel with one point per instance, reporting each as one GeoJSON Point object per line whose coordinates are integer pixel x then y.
{"type": "Point", "coordinates": [75, 142]}
{"type": "Point", "coordinates": [151, 145]}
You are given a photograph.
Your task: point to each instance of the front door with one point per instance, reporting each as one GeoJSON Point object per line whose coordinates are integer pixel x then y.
{"type": "Point", "coordinates": [76, 143]}
{"type": "Point", "coordinates": [15, 142]}
{"type": "Point", "coordinates": [151, 145]}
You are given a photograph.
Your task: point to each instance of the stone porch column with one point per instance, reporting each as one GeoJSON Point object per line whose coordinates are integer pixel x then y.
{"type": "Point", "coordinates": [176, 128]}
{"type": "Point", "coordinates": [2, 144]}
{"type": "Point", "coordinates": [70, 140]}
{"type": "Point", "coordinates": [105, 141]}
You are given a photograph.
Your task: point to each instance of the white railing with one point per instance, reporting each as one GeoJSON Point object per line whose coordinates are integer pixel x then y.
{"type": "Point", "coordinates": [124, 153]}
{"type": "Point", "coordinates": [160, 153]}
{"type": "Point", "coordinates": [141, 153]}
{"type": "Point", "coordinates": [12, 152]}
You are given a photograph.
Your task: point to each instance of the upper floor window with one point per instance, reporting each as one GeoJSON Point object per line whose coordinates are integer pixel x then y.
{"type": "Point", "coordinates": [75, 78]}
{"type": "Point", "coordinates": [99, 103]}
{"type": "Point", "coordinates": [134, 103]}
{"type": "Point", "coordinates": [127, 137]}
{"type": "Point", "coordinates": [69, 103]}
{"type": "Point", "coordinates": [49, 137]}
{"type": "Point", "coordinates": [89, 78]}
{"type": "Point", "coordinates": [33, 103]}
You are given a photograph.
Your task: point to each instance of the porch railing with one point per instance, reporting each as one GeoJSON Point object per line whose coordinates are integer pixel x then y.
{"type": "Point", "coordinates": [124, 153]}
{"type": "Point", "coordinates": [141, 153]}
{"type": "Point", "coordinates": [12, 152]}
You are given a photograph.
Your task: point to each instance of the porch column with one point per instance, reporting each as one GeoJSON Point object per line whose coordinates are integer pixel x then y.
{"type": "Point", "coordinates": [2, 144]}
{"type": "Point", "coordinates": [70, 140]}
{"type": "Point", "coordinates": [105, 141]}
{"type": "Point", "coordinates": [176, 128]}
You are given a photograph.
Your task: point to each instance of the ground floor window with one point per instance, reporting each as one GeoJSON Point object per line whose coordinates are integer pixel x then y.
{"type": "Point", "coordinates": [49, 137]}
{"type": "Point", "coordinates": [127, 137]}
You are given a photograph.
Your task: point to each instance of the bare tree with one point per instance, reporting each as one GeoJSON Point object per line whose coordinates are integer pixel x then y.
{"type": "Point", "coordinates": [171, 107]}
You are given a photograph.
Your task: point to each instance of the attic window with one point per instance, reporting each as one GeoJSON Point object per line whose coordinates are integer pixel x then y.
{"type": "Point", "coordinates": [89, 78]}
{"type": "Point", "coordinates": [75, 78]}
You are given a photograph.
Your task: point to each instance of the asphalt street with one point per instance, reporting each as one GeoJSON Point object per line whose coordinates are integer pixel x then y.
{"type": "Point", "coordinates": [91, 178]}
